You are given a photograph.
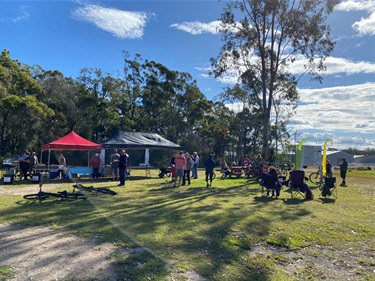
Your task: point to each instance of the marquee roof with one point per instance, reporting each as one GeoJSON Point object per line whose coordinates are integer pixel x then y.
{"type": "Point", "coordinates": [137, 140]}
{"type": "Point", "coordinates": [71, 141]}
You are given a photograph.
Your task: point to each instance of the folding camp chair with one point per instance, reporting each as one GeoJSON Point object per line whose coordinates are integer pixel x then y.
{"type": "Point", "coordinates": [297, 183]}
{"type": "Point", "coordinates": [269, 184]}
{"type": "Point", "coordinates": [329, 188]}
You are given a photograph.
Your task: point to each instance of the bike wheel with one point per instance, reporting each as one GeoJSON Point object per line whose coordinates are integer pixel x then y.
{"type": "Point", "coordinates": [37, 196]}
{"type": "Point", "coordinates": [73, 196]}
{"type": "Point", "coordinates": [106, 191]}
{"type": "Point", "coordinates": [315, 178]}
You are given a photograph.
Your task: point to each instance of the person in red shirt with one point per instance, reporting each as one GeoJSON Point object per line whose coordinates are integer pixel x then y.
{"type": "Point", "coordinates": [180, 164]}
{"type": "Point", "coordinates": [95, 164]}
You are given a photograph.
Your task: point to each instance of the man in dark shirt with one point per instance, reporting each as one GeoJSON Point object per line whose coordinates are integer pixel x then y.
{"type": "Point", "coordinates": [122, 165]}
{"type": "Point", "coordinates": [343, 169]}
{"type": "Point", "coordinates": [210, 165]}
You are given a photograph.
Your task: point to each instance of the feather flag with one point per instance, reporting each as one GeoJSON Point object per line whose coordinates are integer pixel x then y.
{"type": "Point", "coordinates": [298, 154]}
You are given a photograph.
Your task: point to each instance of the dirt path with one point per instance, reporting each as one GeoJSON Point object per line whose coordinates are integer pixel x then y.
{"type": "Point", "coordinates": [40, 253]}
{"type": "Point", "coordinates": [34, 188]}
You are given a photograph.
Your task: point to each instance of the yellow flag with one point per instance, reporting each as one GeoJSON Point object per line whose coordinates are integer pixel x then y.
{"type": "Point", "coordinates": [324, 158]}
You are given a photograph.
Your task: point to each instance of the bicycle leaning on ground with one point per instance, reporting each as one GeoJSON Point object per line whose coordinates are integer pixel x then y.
{"type": "Point", "coordinates": [63, 195]}
{"type": "Point", "coordinates": [96, 190]}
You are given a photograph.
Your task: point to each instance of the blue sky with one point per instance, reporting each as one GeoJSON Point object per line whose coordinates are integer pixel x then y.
{"type": "Point", "coordinates": [71, 35]}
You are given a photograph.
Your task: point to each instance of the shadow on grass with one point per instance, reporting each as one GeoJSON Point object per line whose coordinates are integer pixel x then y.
{"type": "Point", "coordinates": [196, 228]}
{"type": "Point", "coordinates": [326, 200]}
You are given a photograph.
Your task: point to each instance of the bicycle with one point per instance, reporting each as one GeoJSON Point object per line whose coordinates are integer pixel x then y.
{"type": "Point", "coordinates": [63, 195]}
{"type": "Point", "coordinates": [285, 168]}
{"type": "Point", "coordinates": [317, 178]}
{"type": "Point", "coordinates": [98, 190]}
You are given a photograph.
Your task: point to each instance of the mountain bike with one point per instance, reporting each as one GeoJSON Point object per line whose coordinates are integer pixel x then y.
{"type": "Point", "coordinates": [96, 190]}
{"type": "Point", "coordinates": [63, 195]}
{"type": "Point", "coordinates": [317, 177]}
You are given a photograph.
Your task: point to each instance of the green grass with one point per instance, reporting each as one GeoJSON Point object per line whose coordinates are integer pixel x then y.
{"type": "Point", "coordinates": [5, 273]}
{"type": "Point", "coordinates": [222, 232]}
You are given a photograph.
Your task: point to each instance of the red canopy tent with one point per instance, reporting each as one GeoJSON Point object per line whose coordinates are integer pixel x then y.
{"type": "Point", "coordinates": [72, 141]}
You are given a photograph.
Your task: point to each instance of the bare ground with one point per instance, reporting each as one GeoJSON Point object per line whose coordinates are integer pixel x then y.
{"type": "Point", "coordinates": [40, 253]}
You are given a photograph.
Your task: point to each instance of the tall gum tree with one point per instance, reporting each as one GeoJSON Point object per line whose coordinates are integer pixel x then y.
{"type": "Point", "coordinates": [261, 38]}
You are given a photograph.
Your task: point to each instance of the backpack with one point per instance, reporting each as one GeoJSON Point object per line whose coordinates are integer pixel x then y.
{"type": "Point", "coordinates": [309, 193]}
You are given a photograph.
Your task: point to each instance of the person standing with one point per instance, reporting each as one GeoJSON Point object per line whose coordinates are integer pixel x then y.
{"type": "Point", "coordinates": [210, 165]}
{"type": "Point", "coordinates": [172, 164]}
{"type": "Point", "coordinates": [113, 161]}
{"type": "Point", "coordinates": [195, 166]}
{"type": "Point", "coordinates": [24, 163]}
{"type": "Point", "coordinates": [187, 169]}
{"type": "Point", "coordinates": [95, 164]}
{"type": "Point", "coordinates": [62, 160]}
{"type": "Point", "coordinates": [33, 162]}
{"type": "Point", "coordinates": [343, 169]}
{"type": "Point", "coordinates": [180, 163]}
{"type": "Point", "coordinates": [328, 169]}
{"type": "Point", "coordinates": [122, 165]}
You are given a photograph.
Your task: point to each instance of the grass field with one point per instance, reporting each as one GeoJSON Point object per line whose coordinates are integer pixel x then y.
{"type": "Point", "coordinates": [225, 232]}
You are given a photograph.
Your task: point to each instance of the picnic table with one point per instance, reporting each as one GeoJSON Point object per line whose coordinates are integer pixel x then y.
{"type": "Point", "coordinates": [236, 171]}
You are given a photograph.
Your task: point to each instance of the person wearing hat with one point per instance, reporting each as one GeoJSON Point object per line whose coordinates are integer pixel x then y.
{"type": "Point", "coordinates": [210, 166]}
{"type": "Point", "coordinates": [95, 164]}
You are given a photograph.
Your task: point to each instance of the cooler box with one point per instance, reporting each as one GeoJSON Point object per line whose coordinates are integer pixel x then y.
{"type": "Point", "coordinates": [8, 178]}
{"type": "Point", "coordinates": [53, 174]}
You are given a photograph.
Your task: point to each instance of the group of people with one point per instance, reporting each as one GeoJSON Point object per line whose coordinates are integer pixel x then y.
{"type": "Point", "coordinates": [119, 165]}
{"type": "Point", "coordinates": [343, 170]}
{"type": "Point", "coordinates": [184, 164]}
{"type": "Point", "coordinates": [26, 163]}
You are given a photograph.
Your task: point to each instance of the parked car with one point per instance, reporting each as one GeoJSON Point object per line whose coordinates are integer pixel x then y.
{"type": "Point", "coordinates": [10, 162]}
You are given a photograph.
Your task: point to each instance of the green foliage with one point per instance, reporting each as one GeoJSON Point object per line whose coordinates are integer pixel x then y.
{"type": "Point", "coordinates": [148, 98]}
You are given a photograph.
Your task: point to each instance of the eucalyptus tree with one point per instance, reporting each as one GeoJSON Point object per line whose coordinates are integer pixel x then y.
{"type": "Point", "coordinates": [171, 103]}
{"type": "Point", "coordinates": [21, 113]}
{"type": "Point", "coordinates": [60, 93]}
{"type": "Point", "coordinates": [262, 38]}
{"type": "Point", "coordinates": [98, 92]}
{"type": "Point", "coordinates": [213, 130]}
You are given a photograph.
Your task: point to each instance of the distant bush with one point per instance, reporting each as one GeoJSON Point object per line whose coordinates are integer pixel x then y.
{"type": "Point", "coordinates": [361, 168]}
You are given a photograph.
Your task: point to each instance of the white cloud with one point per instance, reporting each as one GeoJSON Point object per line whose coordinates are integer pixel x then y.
{"type": "Point", "coordinates": [365, 26]}
{"type": "Point", "coordinates": [197, 28]}
{"type": "Point", "coordinates": [336, 65]}
{"type": "Point", "coordinates": [23, 15]}
{"type": "Point", "coordinates": [348, 108]}
{"type": "Point", "coordinates": [343, 114]}
{"type": "Point", "coordinates": [122, 24]}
